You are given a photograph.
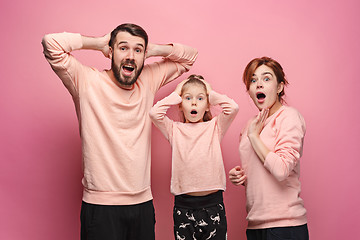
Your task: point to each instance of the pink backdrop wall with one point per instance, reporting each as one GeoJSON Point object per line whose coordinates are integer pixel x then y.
{"type": "Point", "coordinates": [317, 42]}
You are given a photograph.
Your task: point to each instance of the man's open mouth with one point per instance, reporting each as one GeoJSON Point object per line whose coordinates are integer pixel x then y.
{"type": "Point", "coordinates": [128, 68]}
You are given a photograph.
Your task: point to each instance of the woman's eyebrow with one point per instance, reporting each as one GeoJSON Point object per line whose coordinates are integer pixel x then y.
{"type": "Point", "coordinates": [267, 73]}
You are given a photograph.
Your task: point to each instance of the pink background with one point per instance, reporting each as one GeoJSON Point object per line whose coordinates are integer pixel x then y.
{"type": "Point", "coordinates": [317, 42]}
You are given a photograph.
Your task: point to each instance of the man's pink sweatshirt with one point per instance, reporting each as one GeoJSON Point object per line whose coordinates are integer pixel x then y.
{"type": "Point", "coordinates": [114, 124]}
{"type": "Point", "coordinates": [273, 188]}
{"type": "Point", "coordinates": [197, 163]}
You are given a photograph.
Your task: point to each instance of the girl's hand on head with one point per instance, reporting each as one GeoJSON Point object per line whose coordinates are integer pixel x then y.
{"type": "Point", "coordinates": [237, 176]}
{"type": "Point", "coordinates": [208, 86]}
{"type": "Point", "coordinates": [179, 87]}
{"type": "Point", "coordinates": [257, 124]}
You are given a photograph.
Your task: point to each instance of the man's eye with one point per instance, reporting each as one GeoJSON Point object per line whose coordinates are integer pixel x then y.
{"type": "Point", "coordinates": [138, 50]}
{"type": "Point", "coordinates": [123, 48]}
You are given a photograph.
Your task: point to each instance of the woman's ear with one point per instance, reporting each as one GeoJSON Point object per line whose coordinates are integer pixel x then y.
{"type": "Point", "coordinates": [280, 88]}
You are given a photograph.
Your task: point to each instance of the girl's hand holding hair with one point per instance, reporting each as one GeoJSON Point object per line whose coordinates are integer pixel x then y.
{"type": "Point", "coordinates": [208, 86]}
{"type": "Point", "coordinates": [179, 87]}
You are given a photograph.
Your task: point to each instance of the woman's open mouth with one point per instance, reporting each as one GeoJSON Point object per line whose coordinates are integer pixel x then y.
{"type": "Point", "coordinates": [261, 97]}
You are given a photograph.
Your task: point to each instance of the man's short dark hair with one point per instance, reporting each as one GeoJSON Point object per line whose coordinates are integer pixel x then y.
{"type": "Point", "coordinates": [133, 29]}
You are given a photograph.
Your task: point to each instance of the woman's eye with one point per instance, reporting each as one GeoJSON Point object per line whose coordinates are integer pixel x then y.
{"type": "Point", "coordinates": [253, 80]}
{"type": "Point", "coordinates": [266, 79]}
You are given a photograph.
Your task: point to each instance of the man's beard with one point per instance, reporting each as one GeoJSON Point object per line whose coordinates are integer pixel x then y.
{"type": "Point", "coordinates": [126, 81]}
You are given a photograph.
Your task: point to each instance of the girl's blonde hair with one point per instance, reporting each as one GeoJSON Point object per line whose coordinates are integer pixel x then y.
{"type": "Point", "coordinates": [196, 79]}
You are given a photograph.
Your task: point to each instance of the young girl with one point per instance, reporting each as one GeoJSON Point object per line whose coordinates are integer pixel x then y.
{"type": "Point", "coordinates": [270, 149]}
{"type": "Point", "coordinates": [198, 176]}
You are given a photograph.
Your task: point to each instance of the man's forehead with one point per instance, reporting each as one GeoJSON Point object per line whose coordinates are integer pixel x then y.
{"type": "Point", "coordinates": [125, 37]}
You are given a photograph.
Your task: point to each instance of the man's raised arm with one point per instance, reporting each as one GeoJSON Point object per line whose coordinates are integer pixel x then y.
{"type": "Point", "coordinates": [57, 48]}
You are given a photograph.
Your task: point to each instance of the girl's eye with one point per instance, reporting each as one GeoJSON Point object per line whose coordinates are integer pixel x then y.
{"type": "Point", "coordinates": [200, 98]}
{"type": "Point", "coordinates": [187, 98]}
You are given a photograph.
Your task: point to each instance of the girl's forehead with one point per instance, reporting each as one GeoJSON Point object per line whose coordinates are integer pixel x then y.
{"type": "Point", "coordinates": [193, 88]}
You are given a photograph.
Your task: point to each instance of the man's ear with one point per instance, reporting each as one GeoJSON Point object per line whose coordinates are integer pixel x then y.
{"type": "Point", "coordinates": [110, 53]}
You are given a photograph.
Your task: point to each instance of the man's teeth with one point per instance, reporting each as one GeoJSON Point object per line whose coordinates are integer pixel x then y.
{"type": "Point", "coordinates": [128, 67]}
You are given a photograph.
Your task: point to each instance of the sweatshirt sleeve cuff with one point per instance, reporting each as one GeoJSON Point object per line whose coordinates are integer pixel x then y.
{"type": "Point", "coordinates": [214, 97]}
{"type": "Point", "coordinates": [76, 40]}
{"type": "Point", "coordinates": [174, 97]}
{"type": "Point", "coordinates": [271, 161]}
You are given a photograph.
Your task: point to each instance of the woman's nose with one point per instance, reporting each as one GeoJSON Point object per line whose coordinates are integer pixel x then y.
{"type": "Point", "coordinates": [259, 84]}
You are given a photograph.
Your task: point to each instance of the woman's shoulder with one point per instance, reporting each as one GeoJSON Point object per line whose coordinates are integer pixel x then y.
{"type": "Point", "coordinates": [290, 115]}
{"type": "Point", "coordinates": [291, 111]}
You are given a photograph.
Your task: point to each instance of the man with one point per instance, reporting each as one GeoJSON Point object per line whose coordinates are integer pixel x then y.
{"type": "Point", "coordinates": [112, 107]}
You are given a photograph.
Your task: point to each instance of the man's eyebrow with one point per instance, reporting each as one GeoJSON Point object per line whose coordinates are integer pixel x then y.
{"type": "Point", "coordinates": [125, 42]}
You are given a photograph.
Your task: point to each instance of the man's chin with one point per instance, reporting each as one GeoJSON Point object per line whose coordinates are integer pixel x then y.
{"type": "Point", "coordinates": [127, 83]}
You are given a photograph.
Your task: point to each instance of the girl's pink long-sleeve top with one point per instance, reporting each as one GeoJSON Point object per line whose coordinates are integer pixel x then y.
{"type": "Point", "coordinates": [273, 188]}
{"type": "Point", "coordinates": [197, 163]}
{"type": "Point", "coordinates": [114, 123]}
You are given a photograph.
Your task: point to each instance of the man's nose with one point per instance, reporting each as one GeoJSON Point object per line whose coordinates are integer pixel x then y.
{"type": "Point", "coordinates": [130, 54]}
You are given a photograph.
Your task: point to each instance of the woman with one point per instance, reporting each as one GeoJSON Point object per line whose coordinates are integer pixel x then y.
{"type": "Point", "coordinates": [270, 149]}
